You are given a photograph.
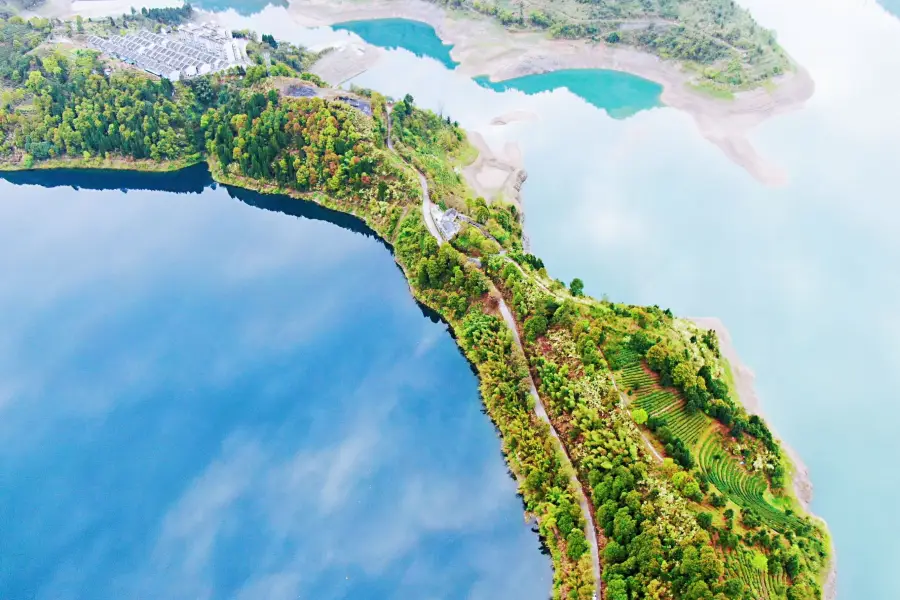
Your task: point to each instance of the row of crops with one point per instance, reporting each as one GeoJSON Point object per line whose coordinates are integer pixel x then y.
{"type": "Point", "coordinates": [665, 404]}
{"type": "Point", "coordinates": [751, 568]}
{"type": "Point", "coordinates": [746, 490]}
{"type": "Point", "coordinates": [723, 470]}
{"type": "Point", "coordinates": [635, 377]}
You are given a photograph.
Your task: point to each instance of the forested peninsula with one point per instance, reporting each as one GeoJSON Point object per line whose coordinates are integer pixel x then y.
{"type": "Point", "coordinates": [621, 423]}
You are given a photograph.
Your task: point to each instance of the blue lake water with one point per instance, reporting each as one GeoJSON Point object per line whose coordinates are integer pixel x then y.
{"type": "Point", "coordinates": [242, 7]}
{"type": "Point", "coordinates": [892, 6]}
{"type": "Point", "coordinates": [215, 313]}
{"type": "Point", "coordinates": [646, 210]}
{"type": "Point", "coordinates": [620, 94]}
{"type": "Point", "coordinates": [211, 393]}
{"type": "Point", "coordinates": [414, 36]}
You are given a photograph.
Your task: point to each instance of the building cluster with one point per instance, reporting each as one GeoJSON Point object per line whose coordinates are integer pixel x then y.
{"type": "Point", "coordinates": [447, 221]}
{"type": "Point", "coordinates": [363, 106]}
{"type": "Point", "coordinates": [195, 49]}
{"type": "Point", "coordinates": [309, 91]}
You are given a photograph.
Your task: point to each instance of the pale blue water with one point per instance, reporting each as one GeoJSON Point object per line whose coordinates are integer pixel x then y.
{"type": "Point", "coordinates": [202, 398]}
{"type": "Point", "coordinates": [414, 36]}
{"type": "Point", "coordinates": [242, 7]}
{"type": "Point", "coordinates": [643, 209]}
{"type": "Point", "coordinates": [804, 276]}
{"type": "Point", "coordinates": [892, 6]}
{"type": "Point", "coordinates": [620, 94]}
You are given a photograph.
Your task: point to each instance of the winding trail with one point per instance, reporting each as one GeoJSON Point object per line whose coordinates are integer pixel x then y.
{"type": "Point", "coordinates": [426, 197]}
{"type": "Point", "coordinates": [590, 531]}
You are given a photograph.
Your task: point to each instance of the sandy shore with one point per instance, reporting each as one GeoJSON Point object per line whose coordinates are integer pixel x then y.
{"type": "Point", "coordinates": [494, 175]}
{"type": "Point", "coordinates": [744, 381]}
{"type": "Point", "coordinates": [483, 47]}
{"type": "Point", "coordinates": [345, 62]}
{"type": "Point", "coordinates": [514, 116]}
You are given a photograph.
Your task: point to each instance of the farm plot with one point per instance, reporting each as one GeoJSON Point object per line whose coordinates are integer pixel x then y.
{"type": "Point", "coordinates": [666, 404]}
{"type": "Point", "coordinates": [733, 480]}
{"type": "Point", "coordinates": [686, 426]}
{"type": "Point", "coordinates": [635, 377]}
{"type": "Point", "coordinates": [762, 584]}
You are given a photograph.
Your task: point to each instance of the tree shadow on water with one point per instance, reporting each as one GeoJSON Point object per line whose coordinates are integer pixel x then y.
{"type": "Point", "coordinates": [191, 180]}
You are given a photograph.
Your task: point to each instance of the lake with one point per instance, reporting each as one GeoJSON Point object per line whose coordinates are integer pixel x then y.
{"type": "Point", "coordinates": [209, 393]}
{"type": "Point", "coordinates": [647, 211]}
{"type": "Point", "coordinates": [413, 36]}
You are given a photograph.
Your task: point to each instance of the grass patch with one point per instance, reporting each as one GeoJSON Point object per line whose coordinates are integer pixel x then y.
{"type": "Point", "coordinates": [707, 88]}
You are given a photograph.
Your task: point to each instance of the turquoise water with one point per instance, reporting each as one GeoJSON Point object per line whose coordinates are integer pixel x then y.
{"type": "Point", "coordinates": [414, 36]}
{"type": "Point", "coordinates": [643, 209]}
{"type": "Point", "coordinates": [620, 94]}
{"type": "Point", "coordinates": [646, 210]}
{"type": "Point", "coordinates": [213, 394]}
{"type": "Point", "coordinates": [242, 7]}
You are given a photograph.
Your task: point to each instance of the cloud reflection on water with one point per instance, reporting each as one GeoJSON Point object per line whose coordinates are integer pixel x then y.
{"type": "Point", "coordinates": [207, 400]}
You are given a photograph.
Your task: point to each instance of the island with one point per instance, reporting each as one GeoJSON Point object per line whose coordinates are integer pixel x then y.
{"type": "Point", "coordinates": [622, 424]}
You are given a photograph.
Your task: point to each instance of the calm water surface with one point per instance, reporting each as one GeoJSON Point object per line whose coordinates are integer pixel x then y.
{"type": "Point", "coordinates": [414, 36]}
{"type": "Point", "coordinates": [804, 276]}
{"type": "Point", "coordinates": [619, 94]}
{"type": "Point", "coordinates": [205, 396]}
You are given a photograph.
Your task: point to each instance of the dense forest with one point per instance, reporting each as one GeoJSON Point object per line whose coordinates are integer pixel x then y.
{"type": "Point", "coordinates": [687, 491]}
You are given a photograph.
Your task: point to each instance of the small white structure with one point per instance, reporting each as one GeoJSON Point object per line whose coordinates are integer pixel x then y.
{"type": "Point", "coordinates": [447, 222]}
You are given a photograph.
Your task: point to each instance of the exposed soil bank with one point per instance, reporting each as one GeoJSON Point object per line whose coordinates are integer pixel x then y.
{"type": "Point", "coordinates": [483, 47]}
{"type": "Point", "coordinates": [743, 380]}
{"type": "Point", "coordinates": [492, 175]}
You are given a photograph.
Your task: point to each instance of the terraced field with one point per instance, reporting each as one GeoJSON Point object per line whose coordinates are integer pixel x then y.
{"type": "Point", "coordinates": [663, 403]}
{"type": "Point", "coordinates": [746, 490]}
{"type": "Point", "coordinates": [763, 585]}
{"type": "Point", "coordinates": [635, 377]}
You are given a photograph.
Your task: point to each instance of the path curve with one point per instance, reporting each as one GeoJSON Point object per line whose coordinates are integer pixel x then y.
{"type": "Point", "coordinates": [590, 531]}
{"type": "Point", "coordinates": [423, 182]}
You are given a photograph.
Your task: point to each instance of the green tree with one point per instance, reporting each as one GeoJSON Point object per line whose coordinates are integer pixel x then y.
{"type": "Point", "coordinates": [535, 327]}
{"type": "Point", "coordinates": [705, 519]}
{"type": "Point", "coordinates": [639, 415]}
{"type": "Point", "coordinates": [576, 544]}
{"type": "Point", "coordinates": [577, 287]}
{"type": "Point", "coordinates": [616, 589]}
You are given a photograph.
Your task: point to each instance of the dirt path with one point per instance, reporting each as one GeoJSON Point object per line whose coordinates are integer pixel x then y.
{"type": "Point", "coordinates": [590, 531]}
{"type": "Point", "coordinates": [426, 197]}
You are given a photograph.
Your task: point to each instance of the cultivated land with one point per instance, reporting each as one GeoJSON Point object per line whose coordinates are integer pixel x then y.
{"type": "Point", "coordinates": [577, 387]}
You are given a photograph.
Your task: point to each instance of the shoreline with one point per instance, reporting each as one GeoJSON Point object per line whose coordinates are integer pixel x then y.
{"type": "Point", "coordinates": [483, 47]}
{"type": "Point", "coordinates": [495, 176]}
{"type": "Point", "coordinates": [800, 478]}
